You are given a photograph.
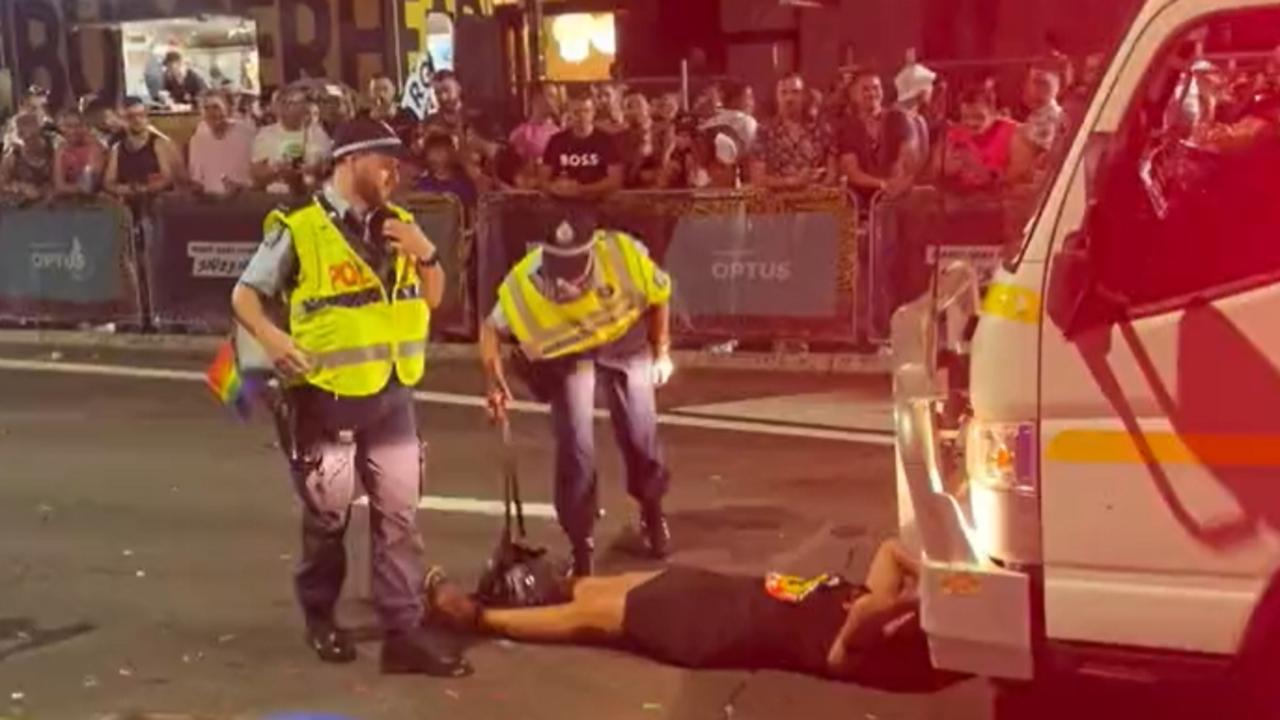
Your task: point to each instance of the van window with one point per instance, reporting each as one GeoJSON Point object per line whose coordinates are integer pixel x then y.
{"type": "Point", "coordinates": [1187, 207]}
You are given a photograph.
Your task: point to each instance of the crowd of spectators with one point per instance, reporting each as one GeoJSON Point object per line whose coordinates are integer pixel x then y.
{"type": "Point", "coordinates": [594, 140]}
{"type": "Point", "coordinates": [583, 141]}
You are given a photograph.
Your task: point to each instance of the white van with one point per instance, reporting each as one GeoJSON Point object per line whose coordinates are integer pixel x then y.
{"type": "Point", "coordinates": [1102, 491]}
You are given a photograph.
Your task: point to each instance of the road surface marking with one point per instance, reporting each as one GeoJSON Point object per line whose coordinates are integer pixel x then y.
{"type": "Point", "coordinates": [674, 419]}
{"type": "Point", "coordinates": [493, 508]}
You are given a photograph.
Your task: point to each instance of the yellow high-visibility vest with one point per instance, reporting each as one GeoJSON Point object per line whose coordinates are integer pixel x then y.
{"type": "Point", "coordinates": [627, 283]}
{"type": "Point", "coordinates": [355, 330]}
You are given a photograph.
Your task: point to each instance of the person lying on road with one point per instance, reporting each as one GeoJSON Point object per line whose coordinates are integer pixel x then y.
{"type": "Point", "coordinates": [825, 626]}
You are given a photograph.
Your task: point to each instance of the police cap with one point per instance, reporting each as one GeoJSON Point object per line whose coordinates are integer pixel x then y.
{"type": "Point", "coordinates": [566, 251]}
{"type": "Point", "coordinates": [365, 135]}
{"type": "Point", "coordinates": [573, 227]}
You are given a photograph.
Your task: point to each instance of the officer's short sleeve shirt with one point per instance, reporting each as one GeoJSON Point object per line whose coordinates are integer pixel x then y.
{"type": "Point", "coordinates": [274, 266]}
{"type": "Point", "coordinates": [273, 269]}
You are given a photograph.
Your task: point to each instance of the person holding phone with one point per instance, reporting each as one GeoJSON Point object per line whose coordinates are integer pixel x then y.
{"type": "Point", "coordinates": [359, 279]}
{"type": "Point", "coordinates": [975, 154]}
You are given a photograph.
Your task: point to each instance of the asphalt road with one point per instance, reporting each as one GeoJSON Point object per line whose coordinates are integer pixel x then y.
{"type": "Point", "coordinates": [146, 542]}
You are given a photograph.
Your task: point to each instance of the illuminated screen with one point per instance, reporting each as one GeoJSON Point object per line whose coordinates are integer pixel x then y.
{"type": "Point", "coordinates": [580, 46]}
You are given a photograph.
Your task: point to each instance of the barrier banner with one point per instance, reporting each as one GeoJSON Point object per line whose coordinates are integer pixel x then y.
{"type": "Point", "coordinates": [745, 265]}
{"type": "Point", "coordinates": [198, 250]}
{"type": "Point", "coordinates": [985, 259]}
{"type": "Point", "coordinates": [67, 263]}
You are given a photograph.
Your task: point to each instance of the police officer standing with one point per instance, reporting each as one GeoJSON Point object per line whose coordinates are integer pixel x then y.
{"type": "Point", "coordinates": [359, 279]}
{"type": "Point", "coordinates": [575, 305]}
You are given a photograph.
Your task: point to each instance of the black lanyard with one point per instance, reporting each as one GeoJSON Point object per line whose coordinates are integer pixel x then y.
{"type": "Point", "coordinates": [356, 234]}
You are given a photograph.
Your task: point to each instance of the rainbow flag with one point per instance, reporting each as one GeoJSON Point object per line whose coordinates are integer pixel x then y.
{"type": "Point", "coordinates": [226, 383]}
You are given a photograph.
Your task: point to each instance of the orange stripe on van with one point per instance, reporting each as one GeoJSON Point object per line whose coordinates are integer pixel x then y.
{"type": "Point", "coordinates": [1215, 449]}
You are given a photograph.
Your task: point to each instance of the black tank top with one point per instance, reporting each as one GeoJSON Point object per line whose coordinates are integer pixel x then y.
{"type": "Point", "coordinates": [701, 619]}
{"type": "Point", "coordinates": [137, 166]}
{"type": "Point", "coordinates": [697, 618]}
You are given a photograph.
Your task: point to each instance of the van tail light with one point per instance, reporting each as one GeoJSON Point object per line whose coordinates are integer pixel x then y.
{"type": "Point", "coordinates": [1002, 456]}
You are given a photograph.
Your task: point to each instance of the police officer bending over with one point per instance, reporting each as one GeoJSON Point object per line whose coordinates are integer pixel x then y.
{"type": "Point", "coordinates": [574, 305]}
{"type": "Point", "coordinates": [359, 279]}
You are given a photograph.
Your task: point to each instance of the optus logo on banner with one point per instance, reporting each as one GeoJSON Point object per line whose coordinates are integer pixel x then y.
{"type": "Point", "coordinates": [777, 265]}
{"type": "Point", "coordinates": [62, 257]}
{"type": "Point", "coordinates": [219, 260]}
{"type": "Point", "coordinates": [745, 264]}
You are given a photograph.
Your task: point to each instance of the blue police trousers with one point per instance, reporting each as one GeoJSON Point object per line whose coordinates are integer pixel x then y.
{"type": "Point", "coordinates": [629, 394]}
{"type": "Point", "coordinates": [374, 440]}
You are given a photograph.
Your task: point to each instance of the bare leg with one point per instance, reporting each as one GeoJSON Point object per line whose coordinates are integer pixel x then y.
{"type": "Point", "coordinates": [889, 571]}
{"type": "Point", "coordinates": [885, 581]}
{"type": "Point", "coordinates": [595, 615]}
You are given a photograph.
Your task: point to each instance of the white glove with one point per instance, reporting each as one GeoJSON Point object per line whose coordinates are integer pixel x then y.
{"type": "Point", "coordinates": [662, 370]}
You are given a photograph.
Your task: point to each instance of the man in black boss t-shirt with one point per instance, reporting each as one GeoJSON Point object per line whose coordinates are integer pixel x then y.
{"type": "Point", "coordinates": [581, 161]}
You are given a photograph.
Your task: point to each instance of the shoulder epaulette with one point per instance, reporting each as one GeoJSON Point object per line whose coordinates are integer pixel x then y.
{"type": "Point", "coordinates": [294, 204]}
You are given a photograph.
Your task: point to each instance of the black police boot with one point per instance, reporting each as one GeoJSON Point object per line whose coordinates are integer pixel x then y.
{"type": "Point", "coordinates": [654, 530]}
{"type": "Point", "coordinates": [584, 557]}
{"type": "Point", "coordinates": [331, 643]}
{"type": "Point", "coordinates": [422, 652]}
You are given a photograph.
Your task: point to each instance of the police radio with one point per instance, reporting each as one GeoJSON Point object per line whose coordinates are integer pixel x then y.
{"type": "Point", "coordinates": [377, 221]}
{"type": "Point", "coordinates": [373, 226]}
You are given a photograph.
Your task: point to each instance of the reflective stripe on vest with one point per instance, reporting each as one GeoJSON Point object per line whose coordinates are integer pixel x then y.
{"type": "Point", "coordinates": [356, 299]}
{"type": "Point", "coordinates": [372, 353]}
{"type": "Point", "coordinates": [359, 298]}
{"type": "Point", "coordinates": [615, 314]}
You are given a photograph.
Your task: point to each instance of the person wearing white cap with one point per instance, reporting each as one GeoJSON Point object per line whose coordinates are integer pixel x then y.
{"type": "Point", "coordinates": [915, 84]}
{"type": "Point", "coordinates": [738, 113]}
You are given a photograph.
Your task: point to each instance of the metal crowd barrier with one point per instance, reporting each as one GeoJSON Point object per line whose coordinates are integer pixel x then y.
{"type": "Point", "coordinates": [913, 235]}
{"type": "Point", "coordinates": [746, 265]}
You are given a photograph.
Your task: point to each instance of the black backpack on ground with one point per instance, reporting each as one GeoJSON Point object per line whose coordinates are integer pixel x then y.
{"type": "Point", "coordinates": [518, 574]}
